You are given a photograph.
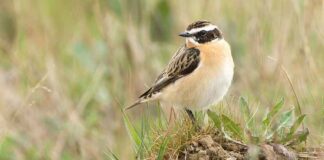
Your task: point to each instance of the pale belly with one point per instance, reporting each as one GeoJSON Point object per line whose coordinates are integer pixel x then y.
{"type": "Point", "coordinates": [201, 89]}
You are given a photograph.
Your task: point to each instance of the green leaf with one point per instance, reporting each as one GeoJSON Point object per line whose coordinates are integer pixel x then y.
{"type": "Point", "coordinates": [297, 123]}
{"type": "Point", "coordinates": [216, 119]}
{"type": "Point", "coordinates": [294, 128]}
{"type": "Point", "coordinates": [163, 148]}
{"type": "Point", "coordinates": [299, 137]}
{"type": "Point", "coordinates": [231, 126]}
{"type": "Point", "coordinates": [248, 117]}
{"type": "Point", "coordinates": [272, 113]}
{"type": "Point", "coordinates": [284, 121]}
{"type": "Point", "coordinates": [302, 136]}
{"type": "Point", "coordinates": [245, 109]}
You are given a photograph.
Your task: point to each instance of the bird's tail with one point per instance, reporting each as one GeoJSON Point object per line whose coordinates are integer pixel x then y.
{"type": "Point", "coordinates": [140, 101]}
{"type": "Point", "coordinates": [145, 97]}
{"type": "Point", "coordinates": [134, 104]}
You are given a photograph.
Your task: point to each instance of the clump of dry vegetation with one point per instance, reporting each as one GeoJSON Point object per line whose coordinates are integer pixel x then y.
{"type": "Point", "coordinates": [278, 135]}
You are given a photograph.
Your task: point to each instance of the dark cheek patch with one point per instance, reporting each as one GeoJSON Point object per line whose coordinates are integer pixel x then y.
{"type": "Point", "coordinates": [205, 38]}
{"type": "Point", "coordinates": [211, 35]}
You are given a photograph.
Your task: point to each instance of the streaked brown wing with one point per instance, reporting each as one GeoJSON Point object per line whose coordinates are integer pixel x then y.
{"type": "Point", "coordinates": [185, 61]}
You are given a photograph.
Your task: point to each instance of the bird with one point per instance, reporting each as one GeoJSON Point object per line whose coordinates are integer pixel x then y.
{"type": "Point", "coordinates": [198, 75]}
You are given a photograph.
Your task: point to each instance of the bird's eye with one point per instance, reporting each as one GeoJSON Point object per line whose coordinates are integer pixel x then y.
{"type": "Point", "coordinates": [203, 33]}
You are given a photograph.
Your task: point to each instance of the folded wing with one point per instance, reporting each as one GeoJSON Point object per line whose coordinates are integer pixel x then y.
{"type": "Point", "coordinates": [184, 62]}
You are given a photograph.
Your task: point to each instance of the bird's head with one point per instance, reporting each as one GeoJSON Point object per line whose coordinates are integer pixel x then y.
{"type": "Point", "coordinates": [201, 32]}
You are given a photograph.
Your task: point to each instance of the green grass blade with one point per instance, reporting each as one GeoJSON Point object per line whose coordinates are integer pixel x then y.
{"type": "Point", "coordinates": [111, 155]}
{"type": "Point", "coordinates": [231, 126]}
{"type": "Point", "coordinates": [298, 138]}
{"type": "Point", "coordinates": [216, 119]}
{"type": "Point", "coordinates": [245, 109]}
{"type": "Point", "coordinates": [144, 130]}
{"type": "Point", "coordinates": [294, 128]}
{"type": "Point", "coordinates": [136, 138]}
{"type": "Point", "coordinates": [266, 122]}
{"type": "Point", "coordinates": [162, 120]}
{"type": "Point", "coordinates": [302, 136]}
{"type": "Point", "coordinates": [296, 124]}
{"type": "Point", "coordinates": [163, 148]}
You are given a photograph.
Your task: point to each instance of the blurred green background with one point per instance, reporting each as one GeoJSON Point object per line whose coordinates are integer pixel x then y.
{"type": "Point", "coordinates": [68, 67]}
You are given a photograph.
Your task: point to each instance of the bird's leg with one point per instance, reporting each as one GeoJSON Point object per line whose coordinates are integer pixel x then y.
{"type": "Point", "coordinates": [193, 119]}
{"type": "Point", "coordinates": [191, 116]}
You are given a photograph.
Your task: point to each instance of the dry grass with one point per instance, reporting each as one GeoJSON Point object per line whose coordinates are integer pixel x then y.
{"type": "Point", "coordinates": [66, 67]}
{"type": "Point", "coordinates": [176, 139]}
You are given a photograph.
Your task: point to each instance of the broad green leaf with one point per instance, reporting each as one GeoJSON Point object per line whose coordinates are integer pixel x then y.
{"type": "Point", "coordinates": [231, 126]}
{"type": "Point", "coordinates": [216, 119]}
{"type": "Point", "coordinates": [272, 113]}
{"type": "Point", "coordinates": [163, 148]}
{"type": "Point", "coordinates": [285, 120]}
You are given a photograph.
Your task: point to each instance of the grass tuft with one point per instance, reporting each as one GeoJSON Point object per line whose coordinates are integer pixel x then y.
{"type": "Point", "coordinates": [173, 141]}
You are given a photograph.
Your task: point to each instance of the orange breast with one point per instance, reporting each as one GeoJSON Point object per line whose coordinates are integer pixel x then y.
{"type": "Point", "coordinates": [212, 55]}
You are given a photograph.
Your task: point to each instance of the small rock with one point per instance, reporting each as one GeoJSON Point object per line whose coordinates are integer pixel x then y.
{"type": "Point", "coordinates": [284, 152]}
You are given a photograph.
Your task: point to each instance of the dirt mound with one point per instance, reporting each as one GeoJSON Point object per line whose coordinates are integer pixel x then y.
{"type": "Point", "coordinates": [209, 147]}
{"type": "Point", "coordinates": [216, 148]}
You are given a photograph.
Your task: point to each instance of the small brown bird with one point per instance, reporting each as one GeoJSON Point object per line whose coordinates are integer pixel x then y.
{"type": "Point", "coordinates": [198, 75]}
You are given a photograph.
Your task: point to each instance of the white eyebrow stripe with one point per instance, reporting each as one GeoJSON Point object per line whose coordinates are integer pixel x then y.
{"type": "Point", "coordinates": [206, 28]}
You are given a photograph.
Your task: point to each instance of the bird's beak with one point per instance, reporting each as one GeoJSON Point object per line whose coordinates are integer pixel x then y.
{"type": "Point", "coordinates": [185, 34]}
